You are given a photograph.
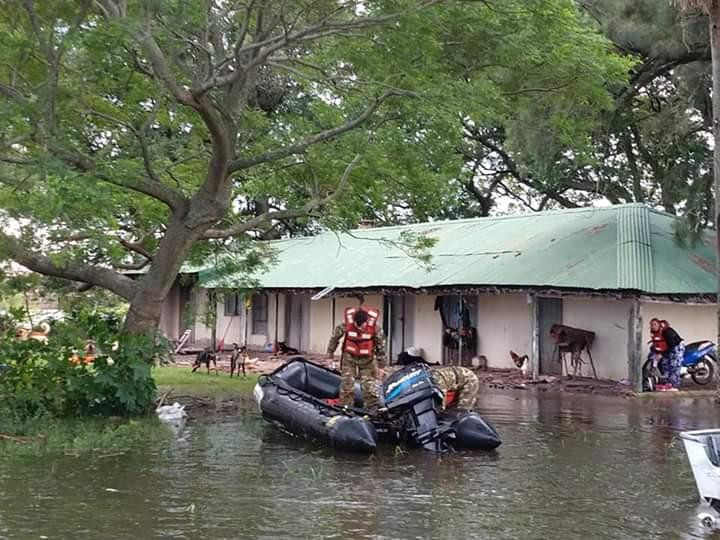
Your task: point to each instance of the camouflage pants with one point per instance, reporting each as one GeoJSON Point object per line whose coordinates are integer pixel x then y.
{"type": "Point", "coordinates": [460, 380]}
{"type": "Point", "coordinates": [363, 368]}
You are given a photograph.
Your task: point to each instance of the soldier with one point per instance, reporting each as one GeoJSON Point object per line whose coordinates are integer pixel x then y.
{"type": "Point", "coordinates": [362, 354]}
{"type": "Point", "coordinates": [460, 380]}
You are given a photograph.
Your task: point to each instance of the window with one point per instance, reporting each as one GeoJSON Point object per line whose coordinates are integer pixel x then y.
{"type": "Point", "coordinates": [260, 314]}
{"type": "Point", "coordinates": [232, 304]}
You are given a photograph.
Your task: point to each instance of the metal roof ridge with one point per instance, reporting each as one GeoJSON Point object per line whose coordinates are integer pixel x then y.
{"type": "Point", "coordinates": [581, 209]}
{"type": "Point", "coordinates": [634, 249]}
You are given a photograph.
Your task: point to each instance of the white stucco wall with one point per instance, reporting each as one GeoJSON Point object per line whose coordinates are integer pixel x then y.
{"type": "Point", "coordinates": [323, 320]}
{"type": "Point", "coordinates": [321, 324]}
{"type": "Point", "coordinates": [504, 324]}
{"type": "Point", "coordinates": [609, 319]}
{"type": "Point", "coordinates": [233, 327]}
{"type": "Point", "coordinates": [428, 328]}
{"type": "Point", "coordinates": [200, 333]}
{"type": "Point", "coordinates": [692, 322]}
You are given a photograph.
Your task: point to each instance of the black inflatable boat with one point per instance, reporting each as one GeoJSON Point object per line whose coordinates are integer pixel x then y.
{"type": "Point", "coordinates": [300, 396]}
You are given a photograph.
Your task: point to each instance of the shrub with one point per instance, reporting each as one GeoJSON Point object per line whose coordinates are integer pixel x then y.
{"type": "Point", "coordinates": [39, 379]}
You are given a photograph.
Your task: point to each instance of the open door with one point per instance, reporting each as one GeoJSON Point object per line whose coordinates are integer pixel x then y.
{"type": "Point", "coordinates": [550, 311]}
{"type": "Point", "coordinates": [297, 323]}
{"type": "Point", "coordinates": [458, 316]}
{"type": "Point", "coordinates": [398, 324]}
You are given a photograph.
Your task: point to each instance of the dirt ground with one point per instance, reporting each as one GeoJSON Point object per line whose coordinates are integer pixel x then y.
{"type": "Point", "coordinates": [503, 379]}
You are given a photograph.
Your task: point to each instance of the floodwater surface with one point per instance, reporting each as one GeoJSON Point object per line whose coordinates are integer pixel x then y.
{"type": "Point", "coordinates": [570, 467]}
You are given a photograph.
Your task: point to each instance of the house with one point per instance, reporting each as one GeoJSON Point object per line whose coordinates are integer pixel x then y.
{"type": "Point", "coordinates": [509, 279]}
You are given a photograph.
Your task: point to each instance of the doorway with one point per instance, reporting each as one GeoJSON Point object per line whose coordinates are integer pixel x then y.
{"type": "Point", "coordinates": [297, 321]}
{"type": "Point", "coordinates": [550, 311]}
{"type": "Point", "coordinates": [459, 328]}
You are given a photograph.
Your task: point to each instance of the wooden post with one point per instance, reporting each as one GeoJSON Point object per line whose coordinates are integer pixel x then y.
{"type": "Point", "coordinates": [635, 348]}
{"type": "Point", "coordinates": [277, 315]}
{"type": "Point", "coordinates": [460, 338]}
{"type": "Point", "coordinates": [534, 337]}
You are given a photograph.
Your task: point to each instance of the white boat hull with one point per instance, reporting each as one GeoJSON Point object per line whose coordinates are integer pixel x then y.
{"type": "Point", "coordinates": [703, 451]}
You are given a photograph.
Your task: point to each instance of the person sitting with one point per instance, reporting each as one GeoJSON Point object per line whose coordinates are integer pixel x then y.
{"type": "Point", "coordinates": [673, 357]}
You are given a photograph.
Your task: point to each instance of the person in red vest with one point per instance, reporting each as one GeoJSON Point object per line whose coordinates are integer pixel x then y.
{"type": "Point", "coordinates": [362, 355]}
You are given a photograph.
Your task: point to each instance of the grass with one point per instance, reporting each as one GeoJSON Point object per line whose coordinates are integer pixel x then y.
{"type": "Point", "coordinates": [92, 437]}
{"type": "Point", "coordinates": [183, 381]}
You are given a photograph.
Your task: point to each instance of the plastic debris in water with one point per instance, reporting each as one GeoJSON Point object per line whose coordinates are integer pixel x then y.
{"type": "Point", "coordinates": [171, 413]}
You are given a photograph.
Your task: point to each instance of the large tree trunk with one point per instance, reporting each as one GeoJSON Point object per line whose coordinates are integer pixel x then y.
{"type": "Point", "coordinates": [714, 12]}
{"type": "Point", "coordinates": [146, 306]}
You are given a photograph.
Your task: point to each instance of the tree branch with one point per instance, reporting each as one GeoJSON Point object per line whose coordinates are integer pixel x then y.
{"type": "Point", "coordinates": [266, 217]}
{"type": "Point", "coordinates": [73, 271]}
{"type": "Point", "coordinates": [300, 147]}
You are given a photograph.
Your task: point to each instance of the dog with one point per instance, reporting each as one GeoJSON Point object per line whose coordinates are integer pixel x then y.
{"type": "Point", "coordinates": [41, 335]}
{"type": "Point", "coordinates": [522, 362]}
{"type": "Point", "coordinates": [282, 348]}
{"type": "Point", "coordinates": [238, 358]}
{"type": "Point", "coordinates": [205, 357]}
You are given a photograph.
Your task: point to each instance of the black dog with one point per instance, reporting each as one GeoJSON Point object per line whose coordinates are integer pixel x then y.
{"type": "Point", "coordinates": [284, 349]}
{"type": "Point", "coordinates": [205, 357]}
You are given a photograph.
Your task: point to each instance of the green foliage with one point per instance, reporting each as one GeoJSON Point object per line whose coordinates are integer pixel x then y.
{"type": "Point", "coordinates": [51, 379]}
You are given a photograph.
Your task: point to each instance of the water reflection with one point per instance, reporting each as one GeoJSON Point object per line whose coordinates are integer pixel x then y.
{"type": "Point", "coordinates": [570, 467]}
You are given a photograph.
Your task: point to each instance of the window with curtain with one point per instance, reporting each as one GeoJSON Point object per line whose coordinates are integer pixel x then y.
{"type": "Point", "coordinates": [232, 304]}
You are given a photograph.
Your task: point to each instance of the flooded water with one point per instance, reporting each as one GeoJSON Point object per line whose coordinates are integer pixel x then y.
{"type": "Point", "coordinates": [570, 467]}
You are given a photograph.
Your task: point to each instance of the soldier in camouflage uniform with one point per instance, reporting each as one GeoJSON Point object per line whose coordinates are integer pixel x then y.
{"type": "Point", "coordinates": [362, 354]}
{"type": "Point", "coordinates": [460, 380]}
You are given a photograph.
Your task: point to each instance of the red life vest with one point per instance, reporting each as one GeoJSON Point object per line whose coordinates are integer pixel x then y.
{"type": "Point", "coordinates": [658, 340]}
{"type": "Point", "coordinates": [360, 341]}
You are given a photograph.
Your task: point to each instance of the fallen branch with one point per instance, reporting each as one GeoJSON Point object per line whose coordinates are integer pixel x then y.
{"type": "Point", "coordinates": [162, 399]}
{"type": "Point", "coordinates": [19, 440]}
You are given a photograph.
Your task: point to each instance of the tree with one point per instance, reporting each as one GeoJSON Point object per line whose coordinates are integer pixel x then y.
{"type": "Point", "coordinates": [650, 145]}
{"type": "Point", "coordinates": [138, 134]}
{"type": "Point", "coordinates": [712, 9]}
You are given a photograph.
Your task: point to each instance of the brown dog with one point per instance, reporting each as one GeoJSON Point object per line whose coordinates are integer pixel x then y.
{"type": "Point", "coordinates": [23, 334]}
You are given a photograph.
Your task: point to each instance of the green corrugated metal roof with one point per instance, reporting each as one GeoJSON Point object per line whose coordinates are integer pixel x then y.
{"type": "Point", "coordinates": [626, 247]}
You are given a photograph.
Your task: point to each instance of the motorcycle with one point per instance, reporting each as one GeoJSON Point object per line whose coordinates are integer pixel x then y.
{"type": "Point", "coordinates": [698, 362]}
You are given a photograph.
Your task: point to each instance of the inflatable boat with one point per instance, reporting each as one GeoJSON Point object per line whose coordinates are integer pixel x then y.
{"type": "Point", "coordinates": [300, 398]}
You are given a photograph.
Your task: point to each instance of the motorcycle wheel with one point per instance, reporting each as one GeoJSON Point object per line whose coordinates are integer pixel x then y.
{"type": "Point", "coordinates": [704, 371]}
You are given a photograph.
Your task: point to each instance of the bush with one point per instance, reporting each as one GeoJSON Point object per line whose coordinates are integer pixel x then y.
{"type": "Point", "coordinates": [40, 379]}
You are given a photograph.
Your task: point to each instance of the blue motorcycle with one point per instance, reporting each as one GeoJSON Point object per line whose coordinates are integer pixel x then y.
{"type": "Point", "coordinates": [699, 361]}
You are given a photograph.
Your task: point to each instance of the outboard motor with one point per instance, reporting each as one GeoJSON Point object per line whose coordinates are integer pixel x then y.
{"type": "Point", "coordinates": [412, 397]}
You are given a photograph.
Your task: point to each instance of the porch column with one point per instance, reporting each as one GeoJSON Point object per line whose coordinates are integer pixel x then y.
{"type": "Point", "coordinates": [534, 336]}
{"type": "Point", "coordinates": [635, 346]}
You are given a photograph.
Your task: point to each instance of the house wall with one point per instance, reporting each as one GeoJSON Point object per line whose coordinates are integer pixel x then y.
{"type": "Point", "coordinates": [201, 334]}
{"type": "Point", "coordinates": [503, 324]}
{"type": "Point", "coordinates": [428, 328]}
{"type": "Point", "coordinates": [323, 319]}
{"type": "Point", "coordinates": [692, 322]}
{"type": "Point", "coordinates": [321, 324]}
{"type": "Point", "coordinates": [232, 327]}
{"type": "Point", "coordinates": [609, 319]}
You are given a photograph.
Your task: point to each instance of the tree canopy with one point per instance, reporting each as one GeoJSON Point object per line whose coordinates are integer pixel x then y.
{"type": "Point", "coordinates": [138, 134]}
